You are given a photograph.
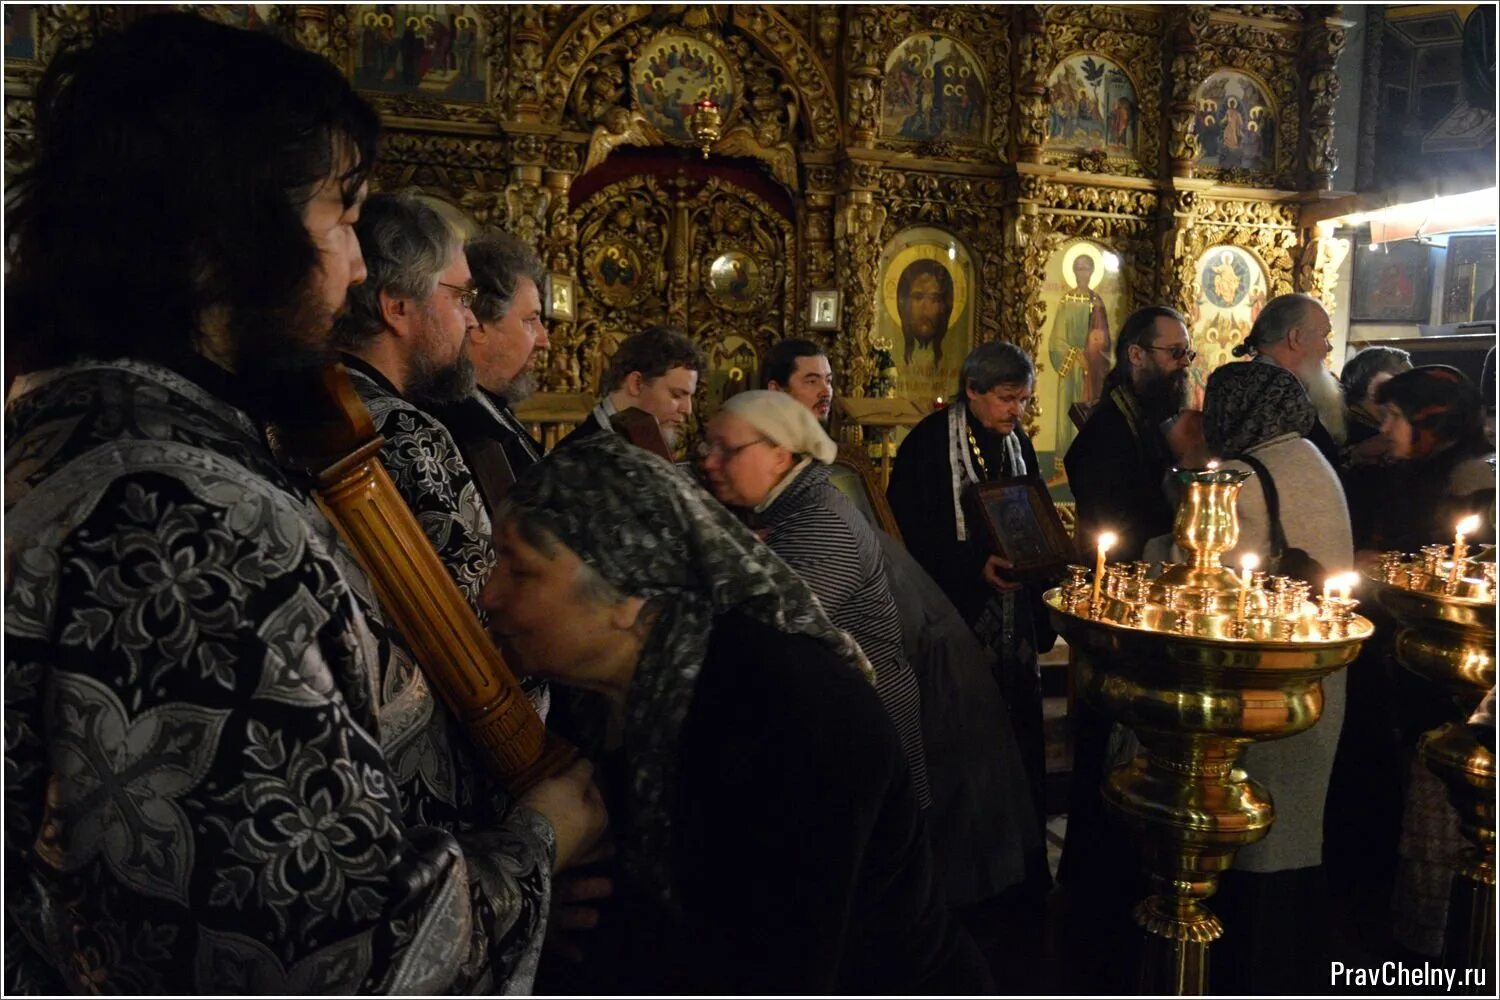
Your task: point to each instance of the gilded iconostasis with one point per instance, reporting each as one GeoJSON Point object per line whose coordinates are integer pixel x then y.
{"type": "Point", "coordinates": [904, 179]}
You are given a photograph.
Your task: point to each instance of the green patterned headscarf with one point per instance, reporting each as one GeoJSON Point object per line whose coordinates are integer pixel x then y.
{"type": "Point", "coordinates": [652, 533]}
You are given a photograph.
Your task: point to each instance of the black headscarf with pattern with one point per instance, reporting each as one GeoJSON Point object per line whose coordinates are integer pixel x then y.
{"type": "Point", "coordinates": [653, 533]}
{"type": "Point", "coordinates": [1250, 402]}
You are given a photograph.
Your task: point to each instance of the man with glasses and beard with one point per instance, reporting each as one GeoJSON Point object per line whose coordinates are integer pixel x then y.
{"type": "Point", "coordinates": [207, 789]}
{"type": "Point", "coordinates": [1116, 469]}
{"type": "Point", "coordinates": [1116, 464]}
{"type": "Point", "coordinates": [405, 337]}
{"type": "Point", "coordinates": [503, 347]}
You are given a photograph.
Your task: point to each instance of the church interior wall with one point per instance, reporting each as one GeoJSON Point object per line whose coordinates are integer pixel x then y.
{"type": "Point", "coordinates": [1179, 144]}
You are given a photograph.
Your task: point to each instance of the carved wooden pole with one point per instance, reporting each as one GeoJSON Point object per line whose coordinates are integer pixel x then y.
{"type": "Point", "coordinates": [866, 38]}
{"type": "Point", "coordinates": [1323, 41]}
{"type": "Point", "coordinates": [1186, 29]}
{"type": "Point", "coordinates": [857, 233]}
{"type": "Point", "coordinates": [526, 200]}
{"type": "Point", "coordinates": [559, 252]}
{"type": "Point", "coordinates": [1034, 59]}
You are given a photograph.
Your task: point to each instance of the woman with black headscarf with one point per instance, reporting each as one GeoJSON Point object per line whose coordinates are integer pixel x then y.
{"type": "Point", "coordinates": [769, 835]}
{"type": "Point", "coordinates": [1434, 431]}
{"type": "Point", "coordinates": [1274, 900]}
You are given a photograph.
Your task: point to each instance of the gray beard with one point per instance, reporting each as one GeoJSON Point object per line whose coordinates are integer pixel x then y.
{"type": "Point", "coordinates": [518, 389]}
{"type": "Point", "coordinates": [1328, 398]}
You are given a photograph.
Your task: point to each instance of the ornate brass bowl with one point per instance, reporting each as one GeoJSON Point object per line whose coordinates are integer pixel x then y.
{"type": "Point", "coordinates": [1199, 663]}
{"type": "Point", "coordinates": [1447, 636]}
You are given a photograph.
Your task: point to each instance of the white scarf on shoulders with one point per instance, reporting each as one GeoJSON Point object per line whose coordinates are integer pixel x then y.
{"type": "Point", "coordinates": [961, 461]}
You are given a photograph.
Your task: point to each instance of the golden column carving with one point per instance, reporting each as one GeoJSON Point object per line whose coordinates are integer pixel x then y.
{"type": "Point", "coordinates": [1185, 31]}
{"type": "Point", "coordinates": [526, 200]}
{"type": "Point", "coordinates": [310, 28]}
{"type": "Point", "coordinates": [1034, 59]}
{"type": "Point", "coordinates": [1323, 41]}
{"type": "Point", "coordinates": [867, 36]}
{"type": "Point", "coordinates": [1179, 213]}
{"type": "Point", "coordinates": [857, 229]}
{"type": "Point", "coordinates": [559, 253]}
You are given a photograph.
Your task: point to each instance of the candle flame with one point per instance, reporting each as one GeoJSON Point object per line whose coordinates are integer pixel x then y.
{"type": "Point", "coordinates": [1107, 541]}
{"type": "Point", "coordinates": [1212, 464]}
{"type": "Point", "coordinates": [1249, 562]}
{"type": "Point", "coordinates": [1469, 525]}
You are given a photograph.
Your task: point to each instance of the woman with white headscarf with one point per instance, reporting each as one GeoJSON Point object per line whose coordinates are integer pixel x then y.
{"type": "Point", "coordinates": [766, 454]}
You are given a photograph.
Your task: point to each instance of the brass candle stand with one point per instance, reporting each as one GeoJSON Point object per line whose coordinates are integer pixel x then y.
{"type": "Point", "coordinates": [1199, 662]}
{"type": "Point", "coordinates": [1444, 602]}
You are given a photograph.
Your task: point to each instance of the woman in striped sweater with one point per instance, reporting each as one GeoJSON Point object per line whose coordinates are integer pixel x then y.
{"type": "Point", "coordinates": [768, 457]}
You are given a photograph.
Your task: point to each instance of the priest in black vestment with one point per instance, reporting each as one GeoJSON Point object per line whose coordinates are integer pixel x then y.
{"type": "Point", "coordinates": [978, 438]}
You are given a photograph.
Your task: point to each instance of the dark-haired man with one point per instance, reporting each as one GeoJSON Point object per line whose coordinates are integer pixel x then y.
{"type": "Point", "coordinates": [800, 369]}
{"type": "Point", "coordinates": [204, 708]}
{"type": "Point", "coordinates": [1117, 469]}
{"type": "Point", "coordinates": [1117, 463]}
{"type": "Point", "coordinates": [503, 347]}
{"type": "Point", "coordinates": [655, 370]}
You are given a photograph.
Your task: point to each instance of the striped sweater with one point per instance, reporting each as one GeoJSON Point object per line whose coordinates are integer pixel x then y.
{"type": "Point", "coordinates": [824, 538]}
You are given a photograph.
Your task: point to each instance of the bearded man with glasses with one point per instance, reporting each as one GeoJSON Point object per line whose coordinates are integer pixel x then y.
{"type": "Point", "coordinates": [1116, 469]}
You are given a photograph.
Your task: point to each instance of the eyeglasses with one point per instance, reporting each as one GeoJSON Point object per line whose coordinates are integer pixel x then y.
{"type": "Point", "coordinates": [1177, 351]}
{"type": "Point", "coordinates": [465, 296]}
{"type": "Point", "coordinates": [708, 449]}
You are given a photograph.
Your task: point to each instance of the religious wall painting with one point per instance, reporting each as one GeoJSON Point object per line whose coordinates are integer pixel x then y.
{"type": "Point", "coordinates": [672, 73]}
{"type": "Point", "coordinates": [733, 367]}
{"type": "Point", "coordinates": [1235, 123]}
{"type": "Point", "coordinates": [20, 31]}
{"type": "Point", "coordinates": [1230, 291]}
{"type": "Point", "coordinates": [615, 272]}
{"type": "Point", "coordinates": [1392, 282]}
{"type": "Point", "coordinates": [933, 89]}
{"type": "Point", "coordinates": [1092, 107]}
{"type": "Point", "coordinates": [735, 281]}
{"type": "Point", "coordinates": [1469, 288]}
{"type": "Point", "coordinates": [1085, 300]}
{"type": "Point", "coordinates": [926, 310]}
{"type": "Point", "coordinates": [429, 50]}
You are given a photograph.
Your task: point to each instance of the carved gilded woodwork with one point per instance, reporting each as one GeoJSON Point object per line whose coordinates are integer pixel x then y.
{"type": "Point", "coordinates": [807, 111]}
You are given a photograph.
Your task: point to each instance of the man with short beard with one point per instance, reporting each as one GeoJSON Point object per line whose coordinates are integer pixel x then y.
{"type": "Point", "coordinates": [405, 338]}
{"type": "Point", "coordinates": [218, 756]}
{"type": "Point", "coordinates": [1294, 332]}
{"type": "Point", "coordinates": [503, 348]}
{"type": "Point", "coordinates": [1116, 464]}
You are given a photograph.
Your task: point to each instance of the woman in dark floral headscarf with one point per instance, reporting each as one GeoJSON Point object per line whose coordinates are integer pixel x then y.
{"type": "Point", "coordinates": [769, 835]}
{"type": "Point", "coordinates": [1254, 418]}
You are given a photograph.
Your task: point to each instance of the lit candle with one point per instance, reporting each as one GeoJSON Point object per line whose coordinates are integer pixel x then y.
{"type": "Point", "coordinates": [1106, 542]}
{"type": "Point", "coordinates": [1328, 585]}
{"type": "Point", "coordinates": [1346, 584]}
{"type": "Point", "coordinates": [1467, 526]}
{"type": "Point", "coordinates": [1247, 571]}
{"type": "Point", "coordinates": [1213, 464]}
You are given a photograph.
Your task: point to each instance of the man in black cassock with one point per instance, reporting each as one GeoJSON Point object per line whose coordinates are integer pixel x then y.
{"type": "Point", "coordinates": [978, 438]}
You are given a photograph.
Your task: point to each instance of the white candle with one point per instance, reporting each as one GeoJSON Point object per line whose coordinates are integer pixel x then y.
{"type": "Point", "coordinates": [1467, 526]}
{"type": "Point", "coordinates": [1106, 542]}
{"type": "Point", "coordinates": [1247, 570]}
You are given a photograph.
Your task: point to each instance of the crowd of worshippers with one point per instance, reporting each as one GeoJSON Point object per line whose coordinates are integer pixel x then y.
{"type": "Point", "coordinates": [811, 751]}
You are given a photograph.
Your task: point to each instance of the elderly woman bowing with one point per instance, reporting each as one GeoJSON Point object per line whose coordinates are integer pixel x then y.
{"type": "Point", "coordinates": [769, 834]}
{"type": "Point", "coordinates": [765, 454]}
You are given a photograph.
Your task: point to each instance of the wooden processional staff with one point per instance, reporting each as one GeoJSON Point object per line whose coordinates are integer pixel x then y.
{"type": "Point", "coordinates": [334, 439]}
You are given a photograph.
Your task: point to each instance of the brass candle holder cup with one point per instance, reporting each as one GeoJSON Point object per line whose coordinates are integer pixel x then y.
{"type": "Point", "coordinates": [1199, 665]}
